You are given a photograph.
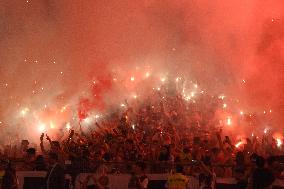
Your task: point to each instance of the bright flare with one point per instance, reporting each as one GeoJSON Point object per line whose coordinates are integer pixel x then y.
{"type": "Point", "coordinates": [278, 142]}
{"type": "Point", "coordinates": [41, 128]}
{"type": "Point", "coordinates": [229, 121]}
{"type": "Point", "coordinates": [163, 79]}
{"type": "Point", "coordinates": [24, 111]}
{"type": "Point", "coordinates": [68, 126]}
{"type": "Point", "coordinates": [239, 144]}
{"type": "Point", "coordinates": [132, 78]}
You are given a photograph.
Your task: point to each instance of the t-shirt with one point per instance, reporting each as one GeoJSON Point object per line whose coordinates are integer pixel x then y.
{"type": "Point", "coordinates": [177, 181]}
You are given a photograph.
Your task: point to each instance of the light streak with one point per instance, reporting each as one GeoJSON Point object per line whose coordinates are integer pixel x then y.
{"type": "Point", "coordinates": [239, 144]}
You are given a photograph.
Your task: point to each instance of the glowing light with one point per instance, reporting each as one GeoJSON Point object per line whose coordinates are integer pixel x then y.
{"type": "Point", "coordinates": [36, 61]}
{"type": "Point", "coordinates": [187, 98]}
{"type": "Point", "coordinates": [52, 125]}
{"type": "Point", "coordinates": [61, 72]}
{"type": "Point", "coordinates": [264, 112]}
{"type": "Point", "coordinates": [163, 79]}
{"type": "Point", "coordinates": [42, 88]}
{"type": "Point", "coordinates": [133, 126]}
{"type": "Point", "coordinates": [122, 105]}
{"type": "Point", "coordinates": [41, 128]}
{"type": "Point", "coordinates": [97, 116]}
{"type": "Point", "coordinates": [178, 79]}
{"type": "Point", "coordinates": [63, 109]}
{"type": "Point", "coordinates": [0, 122]}
{"type": "Point", "coordinates": [224, 105]}
{"type": "Point", "coordinates": [272, 20]}
{"type": "Point", "coordinates": [158, 88]}
{"type": "Point", "coordinates": [221, 97]}
{"type": "Point", "coordinates": [252, 134]}
{"type": "Point", "coordinates": [278, 142]}
{"type": "Point", "coordinates": [265, 130]}
{"type": "Point", "coordinates": [54, 62]}
{"type": "Point", "coordinates": [24, 111]}
{"type": "Point", "coordinates": [195, 86]}
{"type": "Point", "coordinates": [45, 106]}
{"type": "Point", "coordinates": [6, 84]}
{"type": "Point", "coordinates": [270, 111]}
{"type": "Point", "coordinates": [241, 112]}
{"type": "Point", "coordinates": [239, 144]}
{"type": "Point", "coordinates": [147, 74]}
{"type": "Point", "coordinates": [68, 126]}
{"type": "Point", "coordinates": [135, 96]}
{"type": "Point", "coordinates": [229, 121]}
{"type": "Point", "coordinates": [114, 79]}
{"type": "Point", "coordinates": [132, 78]}
{"type": "Point", "coordinates": [87, 120]}
{"type": "Point", "coordinates": [244, 81]}
{"type": "Point", "coordinates": [192, 94]}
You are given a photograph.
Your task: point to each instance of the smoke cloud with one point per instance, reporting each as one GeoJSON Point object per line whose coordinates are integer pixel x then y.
{"type": "Point", "coordinates": [52, 52]}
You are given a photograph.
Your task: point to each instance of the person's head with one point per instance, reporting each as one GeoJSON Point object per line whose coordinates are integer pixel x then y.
{"type": "Point", "coordinates": [240, 158]}
{"type": "Point", "coordinates": [25, 144]}
{"type": "Point", "coordinates": [52, 158]}
{"type": "Point", "coordinates": [260, 162]}
{"type": "Point", "coordinates": [139, 167]}
{"type": "Point", "coordinates": [30, 154]}
{"type": "Point", "coordinates": [179, 169]}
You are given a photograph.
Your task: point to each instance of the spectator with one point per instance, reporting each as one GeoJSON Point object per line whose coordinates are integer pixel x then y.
{"type": "Point", "coordinates": [55, 177]}
{"type": "Point", "coordinates": [261, 177]}
{"type": "Point", "coordinates": [177, 180]}
{"type": "Point", "coordinates": [9, 180]}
